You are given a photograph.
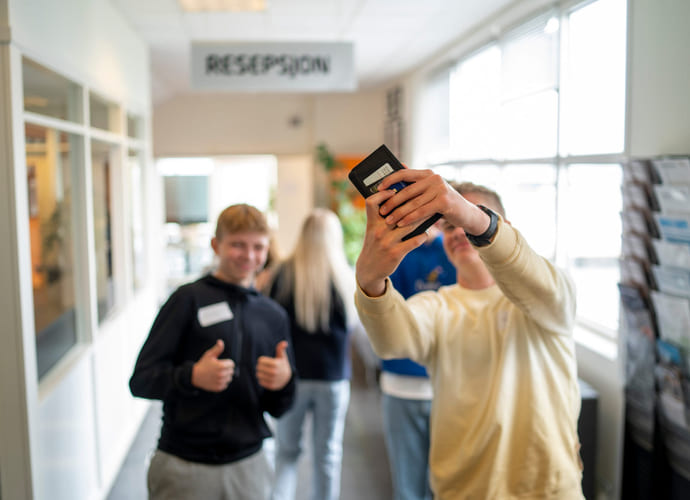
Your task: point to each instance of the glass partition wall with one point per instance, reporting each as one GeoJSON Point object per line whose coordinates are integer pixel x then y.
{"type": "Point", "coordinates": [74, 242]}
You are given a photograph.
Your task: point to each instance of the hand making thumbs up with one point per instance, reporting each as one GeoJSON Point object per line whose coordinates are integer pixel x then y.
{"type": "Point", "coordinates": [210, 373]}
{"type": "Point", "coordinates": [274, 373]}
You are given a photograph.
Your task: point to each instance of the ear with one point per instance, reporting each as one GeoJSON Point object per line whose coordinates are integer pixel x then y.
{"type": "Point", "coordinates": [214, 245]}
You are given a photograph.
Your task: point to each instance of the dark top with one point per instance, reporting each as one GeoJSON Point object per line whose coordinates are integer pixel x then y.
{"type": "Point", "coordinates": [202, 426]}
{"type": "Point", "coordinates": [321, 355]}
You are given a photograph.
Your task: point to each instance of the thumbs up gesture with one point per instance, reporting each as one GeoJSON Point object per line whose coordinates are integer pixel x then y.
{"type": "Point", "coordinates": [274, 373]}
{"type": "Point", "coordinates": [210, 373]}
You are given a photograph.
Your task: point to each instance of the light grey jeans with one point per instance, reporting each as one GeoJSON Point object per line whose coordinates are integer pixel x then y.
{"type": "Point", "coordinates": [327, 402]}
{"type": "Point", "coordinates": [172, 478]}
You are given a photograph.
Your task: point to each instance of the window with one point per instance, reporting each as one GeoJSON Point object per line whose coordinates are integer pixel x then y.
{"type": "Point", "coordinates": [539, 115]}
{"type": "Point", "coordinates": [103, 156]}
{"type": "Point", "coordinates": [591, 205]}
{"type": "Point", "coordinates": [49, 94]}
{"type": "Point", "coordinates": [136, 219]}
{"type": "Point", "coordinates": [434, 120]}
{"type": "Point", "coordinates": [594, 87]}
{"type": "Point", "coordinates": [133, 126]}
{"type": "Point", "coordinates": [104, 114]}
{"type": "Point", "coordinates": [52, 160]}
{"type": "Point", "coordinates": [529, 92]}
{"type": "Point", "coordinates": [536, 219]}
{"type": "Point", "coordinates": [70, 142]}
{"type": "Point", "coordinates": [474, 105]}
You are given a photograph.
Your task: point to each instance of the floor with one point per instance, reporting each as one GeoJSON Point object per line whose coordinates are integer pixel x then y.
{"type": "Point", "coordinates": [365, 473]}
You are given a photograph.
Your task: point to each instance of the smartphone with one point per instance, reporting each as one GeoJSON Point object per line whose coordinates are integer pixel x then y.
{"type": "Point", "coordinates": [368, 174]}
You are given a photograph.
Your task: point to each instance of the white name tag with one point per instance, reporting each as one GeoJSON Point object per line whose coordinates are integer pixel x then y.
{"type": "Point", "coordinates": [215, 313]}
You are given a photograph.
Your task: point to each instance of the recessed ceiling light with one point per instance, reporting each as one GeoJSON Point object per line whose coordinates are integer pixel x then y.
{"type": "Point", "coordinates": [222, 5]}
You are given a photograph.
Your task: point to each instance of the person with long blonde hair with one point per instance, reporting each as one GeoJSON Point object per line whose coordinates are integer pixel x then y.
{"type": "Point", "coordinates": [316, 287]}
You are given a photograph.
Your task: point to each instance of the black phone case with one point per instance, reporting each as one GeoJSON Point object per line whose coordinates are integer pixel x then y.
{"type": "Point", "coordinates": [360, 177]}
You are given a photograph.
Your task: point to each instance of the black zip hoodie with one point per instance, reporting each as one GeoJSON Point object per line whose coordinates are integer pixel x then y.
{"type": "Point", "coordinates": [202, 426]}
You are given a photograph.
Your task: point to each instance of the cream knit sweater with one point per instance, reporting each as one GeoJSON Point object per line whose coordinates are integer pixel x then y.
{"type": "Point", "coordinates": [502, 364]}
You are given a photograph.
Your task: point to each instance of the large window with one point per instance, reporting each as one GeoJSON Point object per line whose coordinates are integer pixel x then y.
{"type": "Point", "coordinates": [103, 159]}
{"type": "Point", "coordinates": [49, 94]}
{"type": "Point", "coordinates": [594, 80]}
{"type": "Point", "coordinates": [59, 123]}
{"type": "Point", "coordinates": [591, 205]}
{"type": "Point", "coordinates": [51, 161]}
{"type": "Point", "coordinates": [539, 115]}
{"type": "Point", "coordinates": [136, 219]}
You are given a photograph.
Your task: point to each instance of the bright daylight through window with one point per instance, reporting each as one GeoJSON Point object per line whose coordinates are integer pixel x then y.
{"type": "Point", "coordinates": [539, 115]}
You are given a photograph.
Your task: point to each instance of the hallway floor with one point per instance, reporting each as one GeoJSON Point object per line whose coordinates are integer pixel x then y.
{"type": "Point", "coordinates": [365, 473]}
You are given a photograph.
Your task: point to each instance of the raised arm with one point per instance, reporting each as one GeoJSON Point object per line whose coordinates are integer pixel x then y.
{"type": "Point", "coordinates": [390, 216]}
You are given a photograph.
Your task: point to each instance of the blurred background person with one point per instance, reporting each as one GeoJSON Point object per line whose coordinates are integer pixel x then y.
{"type": "Point", "coordinates": [316, 287]}
{"type": "Point", "coordinates": [406, 388]}
{"type": "Point", "coordinates": [263, 277]}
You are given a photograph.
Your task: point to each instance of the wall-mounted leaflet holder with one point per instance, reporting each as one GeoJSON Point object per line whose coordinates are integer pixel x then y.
{"type": "Point", "coordinates": [638, 171]}
{"type": "Point", "coordinates": [673, 320]}
{"type": "Point", "coordinates": [673, 227]}
{"type": "Point", "coordinates": [638, 220]}
{"type": "Point", "coordinates": [639, 364]}
{"type": "Point", "coordinates": [638, 195]}
{"type": "Point", "coordinates": [672, 280]}
{"type": "Point", "coordinates": [672, 254]}
{"type": "Point", "coordinates": [636, 245]}
{"type": "Point", "coordinates": [672, 170]}
{"type": "Point", "coordinates": [673, 198]}
{"type": "Point", "coordinates": [655, 268]}
{"type": "Point", "coordinates": [673, 407]}
{"type": "Point", "coordinates": [636, 272]}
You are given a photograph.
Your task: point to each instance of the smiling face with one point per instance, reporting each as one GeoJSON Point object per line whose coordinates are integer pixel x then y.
{"type": "Point", "coordinates": [241, 255]}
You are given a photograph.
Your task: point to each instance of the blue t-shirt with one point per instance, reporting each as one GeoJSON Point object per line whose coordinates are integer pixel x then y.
{"type": "Point", "coordinates": [424, 268]}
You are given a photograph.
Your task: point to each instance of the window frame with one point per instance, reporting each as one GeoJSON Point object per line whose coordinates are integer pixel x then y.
{"type": "Point", "coordinates": [87, 324]}
{"type": "Point", "coordinates": [560, 160]}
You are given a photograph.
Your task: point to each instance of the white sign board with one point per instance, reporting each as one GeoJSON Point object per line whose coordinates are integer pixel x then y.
{"type": "Point", "coordinates": [274, 67]}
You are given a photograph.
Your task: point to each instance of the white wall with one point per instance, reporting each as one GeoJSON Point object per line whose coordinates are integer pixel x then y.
{"type": "Point", "coordinates": [295, 198]}
{"type": "Point", "coordinates": [287, 125]}
{"type": "Point", "coordinates": [89, 40]}
{"type": "Point", "coordinates": [18, 391]}
{"type": "Point", "coordinates": [659, 77]}
{"type": "Point", "coordinates": [78, 423]}
{"type": "Point", "coordinates": [240, 123]}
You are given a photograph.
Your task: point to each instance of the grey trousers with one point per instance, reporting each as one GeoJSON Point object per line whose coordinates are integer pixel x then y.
{"type": "Point", "coordinates": [172, 478]}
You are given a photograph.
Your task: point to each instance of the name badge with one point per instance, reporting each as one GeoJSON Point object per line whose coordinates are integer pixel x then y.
{"type": "Point", "coordinates": [215, 313]}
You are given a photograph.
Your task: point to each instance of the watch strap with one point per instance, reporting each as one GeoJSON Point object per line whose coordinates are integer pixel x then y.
{"type": "Point", "coordinates": [485, 238]}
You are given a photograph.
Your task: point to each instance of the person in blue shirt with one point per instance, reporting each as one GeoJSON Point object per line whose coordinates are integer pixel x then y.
{"type": "Point", "coordinates": [406, 388]}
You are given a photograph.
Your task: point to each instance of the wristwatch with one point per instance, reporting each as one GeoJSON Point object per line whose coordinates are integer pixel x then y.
{"type": "Point", "coordinates": [485, 238]}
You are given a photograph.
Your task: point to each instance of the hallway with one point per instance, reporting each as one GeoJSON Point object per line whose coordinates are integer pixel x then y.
{"type": "Point", "coordinates": [365, 473]}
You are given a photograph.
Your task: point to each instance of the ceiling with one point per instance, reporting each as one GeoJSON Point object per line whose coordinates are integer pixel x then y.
{"type": "Point", "coordinates": [390, 37]}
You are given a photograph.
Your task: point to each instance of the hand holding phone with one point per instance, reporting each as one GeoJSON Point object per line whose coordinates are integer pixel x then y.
{"type": "Point", "coordinates": [368, 174]}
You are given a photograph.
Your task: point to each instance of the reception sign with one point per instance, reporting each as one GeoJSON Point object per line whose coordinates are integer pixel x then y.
{"type": "Point", "coordinates": [273, 67]}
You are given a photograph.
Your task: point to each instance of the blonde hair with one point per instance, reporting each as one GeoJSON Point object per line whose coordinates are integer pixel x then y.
{"type": "Point", "coordinates": [241, 218]}
{"type": "Point", "coordinates": [317, 264]}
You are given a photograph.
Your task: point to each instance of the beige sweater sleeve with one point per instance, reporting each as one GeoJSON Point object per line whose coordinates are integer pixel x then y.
{"type": "Point", "coordinates": [395, 329]}
{"type": "Point", "coordinates": [540, 289]}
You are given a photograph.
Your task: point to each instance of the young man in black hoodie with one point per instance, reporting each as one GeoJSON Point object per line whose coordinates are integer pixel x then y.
{"type": "Point", "coordinates": [217, 356]}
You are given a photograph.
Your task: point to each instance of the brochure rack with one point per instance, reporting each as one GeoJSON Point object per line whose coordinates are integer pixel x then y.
{"type": "Point", "coordinates": [655, 297]}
